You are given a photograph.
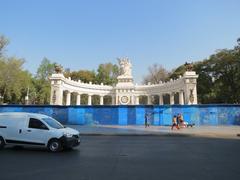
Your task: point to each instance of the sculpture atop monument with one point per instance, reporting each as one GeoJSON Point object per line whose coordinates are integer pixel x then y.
{"type": "Point", "coordinates": [58, 69]}
{"type": "Point", "coordinates": [188, 66]}
{"type": "Point", "coordinates": [125, 67]}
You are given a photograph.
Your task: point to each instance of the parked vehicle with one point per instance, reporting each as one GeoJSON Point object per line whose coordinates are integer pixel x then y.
{"type": "Point", "coordinates": [24, 129]}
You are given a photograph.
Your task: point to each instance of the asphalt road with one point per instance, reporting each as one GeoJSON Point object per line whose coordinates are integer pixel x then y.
{"type": "Point", "coordinates": [127, 157]}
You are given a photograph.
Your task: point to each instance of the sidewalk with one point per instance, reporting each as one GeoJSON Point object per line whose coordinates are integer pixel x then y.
{"type": "Point", "coordinates": [201, 131]}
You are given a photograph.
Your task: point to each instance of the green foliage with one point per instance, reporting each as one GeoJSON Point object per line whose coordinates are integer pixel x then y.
{"type": "Point", "coordinates": [41, 82]}
{"type": "Point", "coordinates": [218, 82]}
{"type": "Point", "coordinates": [45, 69]}
{"type": "Point", "coordinates": [178, 72]}
{"type": "Point", "coordinates": [3, 43]}
{"type": "Point", "coordinates": [219, 77]}
{"type": "Point", "coordinates": [14, 81]}
{"type": "Point", "coordinates": [205, 85]}
{"type": "Point", "coordinates": [41, 92]}
{"type": "Point", "coordinates": [226, 72]}
{"type": "Point", "coordinates": [83, 75]}
{"type": "Point", "coordinates": [107, 74]}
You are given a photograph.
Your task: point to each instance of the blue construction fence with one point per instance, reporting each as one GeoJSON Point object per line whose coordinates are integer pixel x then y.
{"type": "Point", "coordinates": [134, 115]}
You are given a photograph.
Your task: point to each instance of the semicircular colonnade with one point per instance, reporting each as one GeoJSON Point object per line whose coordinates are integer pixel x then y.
{"type": "Point", "coordinates": [125, 92]}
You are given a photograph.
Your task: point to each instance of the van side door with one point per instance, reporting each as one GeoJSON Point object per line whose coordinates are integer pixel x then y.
{"type": "Point", "coordinates": [36, 133]}
{"type": "Point", "coordinates": [13, 130]}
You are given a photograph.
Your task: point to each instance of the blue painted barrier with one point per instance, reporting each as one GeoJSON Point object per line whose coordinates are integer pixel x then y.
{"type": "Point", "coordinates": [135, 115]}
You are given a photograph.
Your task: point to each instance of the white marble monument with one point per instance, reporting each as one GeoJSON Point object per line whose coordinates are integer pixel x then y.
{"type": "Point", "coordinates": [125, 92]}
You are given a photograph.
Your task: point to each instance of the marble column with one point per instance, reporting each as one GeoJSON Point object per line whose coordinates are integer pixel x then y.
{"type": "Point", "coordinates": [60, 97]}
{"type": "Point", "coordinates": [56, 96]}
{"type": "Point", "coordinates": [78, 99]}
{"type": "Point", "coordinates": [181, 100]}
{"type": "Point", "coordinates": [195, 95]}
{"type": "Point", "coordinates": [132, 100]}
{"type": "Point", "coordinates": [172, 98]}
{"type": "Point", "coordinates": [137, 100]}
{"type": "Point", "coordinates": [89, 99]}
{"type": "Point", "coordinates": [113, 100]}
{"type": "Point", "coordinates": [101, 100]}
{"type": "Point", "coordinates": [68, 101]}
{"type": "Point", "coordinates": [149, 100]}
{"type": "Point", "coordinates": [160, 99]}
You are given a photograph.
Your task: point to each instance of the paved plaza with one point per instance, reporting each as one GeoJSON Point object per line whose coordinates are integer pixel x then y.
{"type": "Point", "coordinates": [232, 132]}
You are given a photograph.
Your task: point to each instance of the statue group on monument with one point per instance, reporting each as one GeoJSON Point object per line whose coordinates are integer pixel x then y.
{"type": "Point", "coordinates": [125, 67]}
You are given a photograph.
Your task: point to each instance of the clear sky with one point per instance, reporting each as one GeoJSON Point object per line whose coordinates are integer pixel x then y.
{"type": "Point", "coordinates": [81, 34]}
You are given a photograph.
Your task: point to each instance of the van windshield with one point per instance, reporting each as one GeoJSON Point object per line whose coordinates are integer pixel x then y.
{"type": "Point", "coordinates": [53, 123]}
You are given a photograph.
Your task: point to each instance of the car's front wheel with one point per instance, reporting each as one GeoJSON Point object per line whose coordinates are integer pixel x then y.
{"type": "Point", "coordinates": [2, 142]}
{"type": "Point", "coordinates": [55, 145]}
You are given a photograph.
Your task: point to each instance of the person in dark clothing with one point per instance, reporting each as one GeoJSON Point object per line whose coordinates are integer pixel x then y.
{"type": "Point", "coordinates": [178, 119]}
{"type": "Point", "coordinates": [146, 120]}
{"type": "Point", "coordinates": [174, 122]}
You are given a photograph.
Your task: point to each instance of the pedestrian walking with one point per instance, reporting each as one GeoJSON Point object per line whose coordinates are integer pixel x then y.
{"type": "Point", "coordinates": [174, 122]}
{"type": "Point", "coordinates": [146, 120]}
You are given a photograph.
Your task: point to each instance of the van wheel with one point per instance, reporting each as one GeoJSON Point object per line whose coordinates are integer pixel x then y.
{"type": "Point", "coordinates": [55, 145]}
{"type": "Point", "coordinates": [2, 143]}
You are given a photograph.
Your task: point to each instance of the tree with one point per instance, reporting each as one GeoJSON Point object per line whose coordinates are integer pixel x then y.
{"type": "Point", "coordinates": [45, 69]}
{"type": "Point", "coordinates": [177, 72]}
{"type": "Point", "coordinates": [3, 43]}
{"type": "Point", "coordinates": [41, 82]}
{"type": "Point", "coordinates": [219, 76]}
{"type": "Point", "coordinates": [14, 81]}
{"type": "Point", "coordinates": [156, 73]}
{"type": "Point", "coordinates": [85, 76]}
{"type": "Point", "coordinates": [226, 72]}
{"type": "Point", "coordinates": [107, 73]}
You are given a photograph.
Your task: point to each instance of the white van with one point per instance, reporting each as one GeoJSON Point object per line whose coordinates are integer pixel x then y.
{"type": "Point", "coordinates": [19, 128]}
